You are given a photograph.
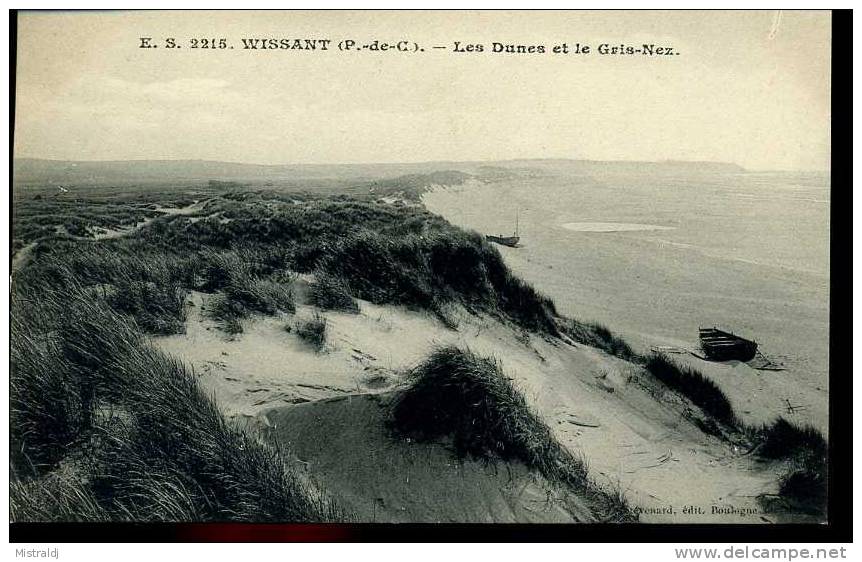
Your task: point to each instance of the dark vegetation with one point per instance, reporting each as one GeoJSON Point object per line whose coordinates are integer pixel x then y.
{"type": "Point", "coordinates": [246, 287]}
{"type": "Point", "coordinates": [81, 212]}
{"type": "Point", "coordinates": [108, 428]}
{"type": "Point", "coordinates": [411, 186]}
{"type": "Point", "coordinates": [693, 385]}
{"type": "Point", "coordinates": [430, 270]}
{"type": "Point", "coordinates": [382, 253]}
{"type": "Point", "coordinates": [597, 335]}
{"type": "Point", "coordinates": [228, 313]}
{"type": "Point", "coordinates": [132, 279]}
{"type": "Point", "coordinates": [313, 331]}
{"type": "Point", "coordinates": [329, 292]}
{"type": "Point", "coordinates": [159, 309]}
{"type": "Point", "coordinates": [243, 247]}
{"type": "Point", "coordinates": [456, 394]}
{"type": "Point", "coordinates": [804, 484]}
{"type": "Point", "coordinates": [80, 437]}
{"type": "Point", "coordinates": [105, 427]}
{"type": "Point", "coordinates": [782, 439]}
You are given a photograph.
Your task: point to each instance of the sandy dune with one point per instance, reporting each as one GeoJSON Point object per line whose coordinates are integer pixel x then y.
{"type": "Point", "coordinates": [632, 434]}
{"type": "Point", "coordinates": [345, 444]}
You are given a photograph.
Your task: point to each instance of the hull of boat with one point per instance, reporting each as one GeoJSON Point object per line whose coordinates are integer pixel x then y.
{"type": "Point", "coordinates": [719, 345]}
{"type": "Point", "coordinates": [511, 241]}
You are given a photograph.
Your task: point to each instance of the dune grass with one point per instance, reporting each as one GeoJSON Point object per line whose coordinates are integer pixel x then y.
{"type": "Point", "coordinates": [146, 443]}
{"type": "Point", "coordinates": [151, 287]}
{"type": "Point", "coordinates": [597, 335]}
{"type": "Point", "coordinates": [158, 308]}
{"type": "Point", "coordinates": [265, 296]}
{"type": "Point", "coordinates": [228, 313]}
{"type": "Point", "coordinates": [692, 384]}
{"type": "Point", "coordinates": [329, 292]}
{"type": "Point", "coordinates": [50, 410]}
{"type": "Point", "coordinates": [430, 271]}
{"type": "Point", "coordinates": [57, 497]}
{"type": "Point", "coordinates": [218, 269]}
{"type": "Point", "coordinates": [804, 447]}
{"type": "Point", "coordinates": [38, 216]}
{"type": "Point", "coordinates": [381, 253]}
{"type": "Point", "coordinates": [313, 331]}
{"type": "Point", "coordinates": [782, 439]}
{"type": "Point", "coordinates": [805, 489]}
{"type": "Point", "coordinates": [60, 389]}
{"type": "Point", "coordinates": [804, 483]}
{"type": "Point", "coordinates": [244, 285]}
{"type": "Point", "coordinates": [459, 395]}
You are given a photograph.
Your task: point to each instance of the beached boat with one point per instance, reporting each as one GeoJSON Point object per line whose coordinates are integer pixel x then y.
{"type": "Point", "coordinates": [719, 345]}
{"type": "Point", "coordinates": [511, 241]}
{"type": "Point", "coordinates": [504, 240]}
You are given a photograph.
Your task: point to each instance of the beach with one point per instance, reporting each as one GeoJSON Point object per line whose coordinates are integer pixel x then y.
{"type": "Point", "coordinates": [747, 252]}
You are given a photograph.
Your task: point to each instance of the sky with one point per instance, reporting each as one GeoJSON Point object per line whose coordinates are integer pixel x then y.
{"type": "Point", "coordinates": [750, 87]}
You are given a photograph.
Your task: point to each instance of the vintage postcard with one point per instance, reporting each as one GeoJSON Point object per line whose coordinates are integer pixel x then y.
{"type": "Point", "coordinates": [368, 267]}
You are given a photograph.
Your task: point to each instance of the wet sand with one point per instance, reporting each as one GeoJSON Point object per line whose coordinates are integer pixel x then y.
{"type": "Point", "coordinates": [612, 227]}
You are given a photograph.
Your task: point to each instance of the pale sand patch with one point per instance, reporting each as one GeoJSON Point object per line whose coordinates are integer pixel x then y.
{"type": "Point", "coordinates": [612, 227]}
{"type": "Point", "coordinates": [346, 445]}
{"type": "Point", "coordinates": [598, 406]}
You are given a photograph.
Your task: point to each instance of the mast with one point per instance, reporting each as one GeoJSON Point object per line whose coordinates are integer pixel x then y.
{"type": "Point", "coordinates": [516, 222]}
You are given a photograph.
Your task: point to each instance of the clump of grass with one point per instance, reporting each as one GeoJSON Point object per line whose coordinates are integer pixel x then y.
{"type": "Point", "coordinates": [782, 439]}
{"type": "Point", "coordinates": [692, 384]}
{"type": "Point", "coordinates": [227, 312]}
{"type": "Point", "coordinates": [384, 254]}
{"type": "Point", "coordinates": [245, 294]}
{"type": "Point", "coordinates": [50, 410]}
{"type": "Point", "coordinates": [219, 269]}
{"type": "Point", "coordinates": [166, 453]}
{"type": "Point", "coordinates": [110, 262]}
{"type": "Point", "coordinates": [260, 295]}
{"type": "Point", "coordinates": [428, 271]}
{"type": "Point", "coordinates": [525, 305]}
{"type": "Point", "coordinates": [804, 484]}
{"type": "Point", "coordinates": [805, 488]}
{"type": "Point", "coordinates": [329, 292]}
{"type": "Point", "coordinates": [158, 308]}
{"type": "Point", "coordinates": [382, 270]}
{"type": "Point", "coordinates": [313, 331]}
{"type": "Point", "coordinates": [596, 335]}
{"type": "Point", "coordinates": [57, 497]}
{"type": "Point", "coordinates": [39, 216]}
{"type": "Point", "coordinates": [457, 394]}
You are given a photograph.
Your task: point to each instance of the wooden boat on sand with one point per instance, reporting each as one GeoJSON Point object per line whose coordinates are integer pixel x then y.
{"type": "Point", "coordinates": [719, 345]}
{"type": "Point", "coordinates": [511, 241]}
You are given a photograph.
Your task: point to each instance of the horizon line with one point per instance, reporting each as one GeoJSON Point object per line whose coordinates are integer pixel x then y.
{"type": "Point", "coordinates": [419, 162]}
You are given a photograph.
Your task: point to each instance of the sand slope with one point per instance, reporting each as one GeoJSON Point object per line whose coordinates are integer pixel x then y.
{"type": "Point", "coordinates": [632, 432]}
{"type": "Point", "coordinates": [346, 444]}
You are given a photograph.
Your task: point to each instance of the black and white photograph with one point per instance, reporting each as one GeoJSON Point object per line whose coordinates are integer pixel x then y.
{"type": "Point", "coordinates": [351, 268]}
